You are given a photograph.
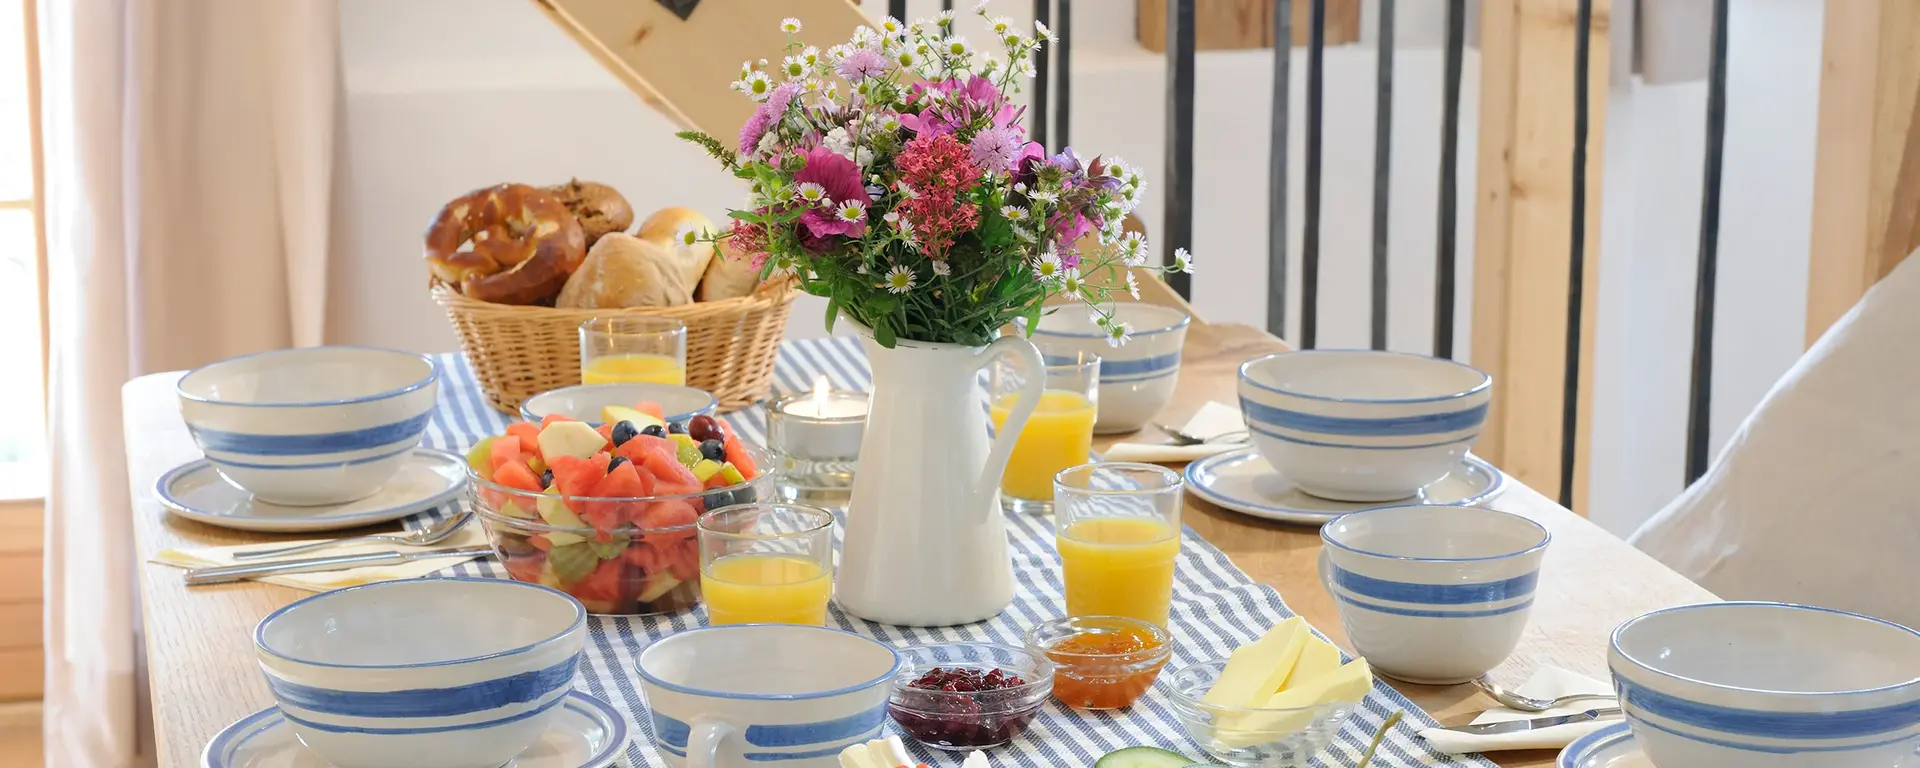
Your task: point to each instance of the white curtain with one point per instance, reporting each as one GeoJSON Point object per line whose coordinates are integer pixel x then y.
{"type": "Point", "coordinates": [189, 149]}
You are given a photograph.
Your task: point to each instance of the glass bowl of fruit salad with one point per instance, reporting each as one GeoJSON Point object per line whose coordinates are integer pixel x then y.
{"type": "Point", "coordinates": [608, 514]}
{"type": "Point", "coordinates": [965, 696]}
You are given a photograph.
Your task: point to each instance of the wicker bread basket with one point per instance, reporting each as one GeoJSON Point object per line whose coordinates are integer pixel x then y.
{"type": "Point", "coordinates": [518, 351]}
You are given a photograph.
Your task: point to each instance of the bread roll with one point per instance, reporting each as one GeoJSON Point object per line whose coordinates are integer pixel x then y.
{"type": "Point", "coordinates": [599, 208]}
{"type": "Point", "coordinates": [731, 275]}
{"type": "Point", "coordinates": [663, 228]}
{"type": "Point", "coordinates": [625, 271]}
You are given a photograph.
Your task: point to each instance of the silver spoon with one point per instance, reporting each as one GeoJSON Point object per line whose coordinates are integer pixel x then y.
{"type": "Point", "coordinates": [419, 538]}
{"type": "Point", "coordinates": [1182, 438]}
{"type": "Point", "coordinates": [1512, 700]}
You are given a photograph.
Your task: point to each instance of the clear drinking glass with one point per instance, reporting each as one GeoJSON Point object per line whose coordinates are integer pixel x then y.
{"type": "Point", "coordinates": [767, 563]}
{"type": "Point", "coordinates": [633, 348]}
{"type": "Point", "coordinates": [1060, 432]}
{"type": "Point", "coordinates": [1117, 526]}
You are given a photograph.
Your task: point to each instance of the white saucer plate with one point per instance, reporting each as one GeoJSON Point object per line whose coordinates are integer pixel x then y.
{"type": "Point", "coordinates": [587, 733]}
{"type": "Point", "coordinates": [1609, 747]}
{"type": "Point", "coordinates": [1242, 481]}
{"type": "Point", "coordinates": [427, 478]}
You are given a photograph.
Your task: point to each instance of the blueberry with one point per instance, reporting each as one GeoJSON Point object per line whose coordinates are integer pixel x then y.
{"type": "Point", "coordinates": [654, 430]}
{"type": "Point", "coordinates": [677, 428]}
{"type": "Point", "coordinates": [546, 479]}
{"type": "Point", "coordinates": [622, 432]}
{"type": "Point", "coordinates": [617, 461]}
{"type": "Point", "coordinates": [714, 450]}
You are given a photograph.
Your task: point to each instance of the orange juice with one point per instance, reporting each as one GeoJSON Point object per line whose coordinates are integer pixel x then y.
{"type": "Point", "coordinates": [1059, 435]}
{"type": "Point", "coordinates": [1119, 566]}
{"type": "Point", "coordinates": [609, 369]}
{"type": "Point", "coordinates": [776, 589]}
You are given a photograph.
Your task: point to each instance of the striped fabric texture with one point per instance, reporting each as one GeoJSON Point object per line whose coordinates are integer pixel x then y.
{"type": "Point", "coordinates": [1216, 608]}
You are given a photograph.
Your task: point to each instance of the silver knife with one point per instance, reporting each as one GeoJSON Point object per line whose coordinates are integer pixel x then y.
{"type": "Point", "coordinates": [228, 573]}
{"type": "Point", "coordinates": [1515, 726]}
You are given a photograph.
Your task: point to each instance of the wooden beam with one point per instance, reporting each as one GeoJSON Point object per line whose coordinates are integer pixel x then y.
{"type": "Point", "coordinates": [1221, 25]}
{"type": "Point", "coordinates": [1522, 246]}
{"type": "Point", "coordinates": [1866, 179]}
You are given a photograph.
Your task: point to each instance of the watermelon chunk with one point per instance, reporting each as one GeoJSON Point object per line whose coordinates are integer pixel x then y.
{"type": "Point", "coordinates": [606, 432]}
{"type": "Point", "coordinates": [741, 460]}
{"type": "Point", "coordinates": [601, 590]}
{"type": "Point", "coordinates": [652, 408]}
{"type": "Point", "coordinates": [506, 450]}
{"type": "Point", "coordinates": [668, 513]}
{"type": "Point", "coordinates": [524, 567]}
{"type": "Point", "coordinates": [529, 435]}
{"type": "Point", "coordinates": [514, 474]}
{"type": "Point", "coordinates": [644, 556]}
{"type": "Point", "coordinates": [577, 477]}
{"type": "Point", "coordinates": [670, 477]}
{"type": "Point", "coordinates": [684, 560]}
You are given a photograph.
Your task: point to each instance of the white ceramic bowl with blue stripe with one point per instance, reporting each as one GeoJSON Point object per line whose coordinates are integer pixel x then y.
{"type": "Point", "coordinates": [748, 694]}
{"type": "Point", "coordinates": [310, 426]}
{"type": "Point", "coordinates": [1362, 425]}
{"type": "Point", "coordinates": [1433, 594]}
{"type": "Point", "coordinates": [585, 401]}
{"type": "Point", "coordinates": [455, 673]}
{"type": "Point", "coordinates": [1136, 379]}
{"type": "Point", "coordinates": [1769, 685]}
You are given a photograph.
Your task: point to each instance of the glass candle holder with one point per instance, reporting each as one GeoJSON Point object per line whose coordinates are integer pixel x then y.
{"type": "Point", "coordinates": [633, 349]}
{"type": "Point", "coordinates": [815, 440]}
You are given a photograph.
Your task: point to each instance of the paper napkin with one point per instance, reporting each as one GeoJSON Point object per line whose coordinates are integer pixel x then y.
{"type": "Point", "coordinates": [1546, 683]}
{"type": "Point", "coordinates": [471, 535]}
{"type": "Point", "coordinates": [1213, 419]}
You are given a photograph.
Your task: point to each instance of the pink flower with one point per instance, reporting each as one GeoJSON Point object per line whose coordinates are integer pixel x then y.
{"type": "Point", "coordinates": [862, 64]}
{"type": "Point", "coordinates": [994, 149]}
{"type": "Point", "coordinates": [770, 112]}
{"type": "Point", "coordinates": [841, 179]}
{"type": "Point", "coordinates": [942, 176]}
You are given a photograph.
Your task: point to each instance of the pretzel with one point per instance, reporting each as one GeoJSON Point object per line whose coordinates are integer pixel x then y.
{"type": "Point", "coordinates": [525, 244]}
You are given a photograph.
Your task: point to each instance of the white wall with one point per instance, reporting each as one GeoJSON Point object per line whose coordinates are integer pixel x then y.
{"type": "Point", "coordinates": [447, 95]}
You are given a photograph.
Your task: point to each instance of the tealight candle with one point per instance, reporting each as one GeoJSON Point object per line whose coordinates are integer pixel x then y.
{"type": "Point", "coordinates": [816, 436]}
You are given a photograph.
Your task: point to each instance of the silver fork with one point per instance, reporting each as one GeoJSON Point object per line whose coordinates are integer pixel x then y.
{"type": "Point", "coordinates": [1183, 438]}
{"type": "Point", "coordinates": [419, 538]}
{"type": "Point", "coordinates": [1512, 700]}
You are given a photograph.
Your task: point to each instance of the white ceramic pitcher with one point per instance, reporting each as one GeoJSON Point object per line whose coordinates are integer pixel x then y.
{"type": "Point", "coordinates": [925, 541]}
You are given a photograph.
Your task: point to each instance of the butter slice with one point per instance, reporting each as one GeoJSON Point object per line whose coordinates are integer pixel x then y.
{"type": "Point", "coordinates": [1256, 670]}
{"type": "Point", "coordinates": [1350, 682]}
{"type": "Point", "coordinates": [1316, 660]}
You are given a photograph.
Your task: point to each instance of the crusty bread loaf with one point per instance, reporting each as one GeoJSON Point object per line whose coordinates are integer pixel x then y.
{"type": "Point", "coordinates": [663, 228]}
{"type": "Point", "coordinates": [625, 271]}
{"type": "Point", "coordinates": [730, 275]}
{"type": "Point", "coordinates": [599, 208]}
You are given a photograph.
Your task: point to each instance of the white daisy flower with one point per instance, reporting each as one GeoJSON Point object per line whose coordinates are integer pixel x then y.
{"type": "Point", "coordinates": [833, 91]}
{"type": "Point", "coordinates": [1133, 286]}
{"type": "Point", "coordinates": [1013, 212]}
{"type": "Point", "coordinates": [810, 55]}
{"type": "Point", "coordinates": [688, 236]}
{"type": "Point", "coordinates": [1114, 166]}
{"type": "Point", "coordinates": [864, 35]}
{"type": "Point", "coordinates": [892, 217]}
{"type": "Point", "coordinates": [850, 211]}
{"type": "Point", "coordinates": [1040, 27]}
{"type": "Point", "coordinates": [812, 85]}
{"type": "Point", "coordinates": [1046, 266]}
{"type": "Point", "coordinates": [942, 268]}
{"type": "Point", "coordinates": [1070, 282]}
{"type": "Point", "coordinates": [1023, 233]}
{"type": "Point", "coordinates": [756, 85]}
{"type": "Point", "coordinates": [890, 123]}
{"type": "Point", "coordinates": [900, 279]}
{"type": "Point", "coordinates": [891, 25]}
{"type": "Point", "coordinates": [906, 59]}
{"type": "Point", "coordinates": [955, 46]}
{"type": "Point", "coordinates": [906, 229]}
{"type": "Point", "coordinates": [1135, 180]}
{"type": "Point", "coordinates": [1133, 249]}
{"type": "Point", "coordinates": [785, 265]}
{"type": "Point", "coordinates": [1000, 24]}
{"type": "Point", "coordinates": [1043, 197]}
{"type": "Point", "coordinates": [1182, 261]}
{"type": "Point", "coordinates": [811, 193]}
{"type": "Point", "coordinates": [838, 52]}
{"type": "Point", "coordinates": [790, 25]}
{"type": "Point", "coordinates": [795, 67]}
{"type": "Point", "coordinates": [980, 8]}
{"type": "Point", "coordinates": [746, 68]}
{"type": "Point", "coordinates": [1118, 333]}
{"type": "Point", "coordinates": [1099, 320]}
{"type": "Point", "coordinates": [944, 18]}
{"type": "Point", "coordinates": [1025, 69]}
{"type": "Point", "coordinates": [1012, 40]}
{"type": "Point", "coordinates": [906, 192]}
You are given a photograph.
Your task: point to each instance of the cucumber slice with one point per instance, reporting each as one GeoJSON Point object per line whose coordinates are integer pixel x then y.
{"type": "Point", "coordinates": [1143, 757]}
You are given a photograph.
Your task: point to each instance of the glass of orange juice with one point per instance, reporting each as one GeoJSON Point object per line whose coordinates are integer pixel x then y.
{"type": "Point", "coordinates": [767, 564]}
{"type": "Point", "coordinates": [1117, 526]}
{"type": "Point", "coordinates": [629, 348]}
{"type": "Point", "coordinates": [1058, 435]}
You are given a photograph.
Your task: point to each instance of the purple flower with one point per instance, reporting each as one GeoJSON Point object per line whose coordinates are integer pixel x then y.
{"type": "Point", "coordinates": [994, 149]}
{"type": "Point", "coordinates": [1027, 163]}
{"type": "Point", "coordinates": [841, 180]}
{"type": "Point", "coordinates": [770, 112]}
{"type": "Point", "coordinates": [950, 105]}
{"type": "Point", "coordinates": [862, 64]}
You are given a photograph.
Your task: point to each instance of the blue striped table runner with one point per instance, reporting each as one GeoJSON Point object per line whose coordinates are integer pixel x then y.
{"type": "Point", "coordinates": [1216, 607]}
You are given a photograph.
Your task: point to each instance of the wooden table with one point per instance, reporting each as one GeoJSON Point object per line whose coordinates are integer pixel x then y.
{"type": "Point", "coordinates": [203, 676]}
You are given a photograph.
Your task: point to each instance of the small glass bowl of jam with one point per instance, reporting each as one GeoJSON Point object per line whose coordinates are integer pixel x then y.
{"type": "Point", "coordinates": [966, 696]}
{"type": "Point", "coordinates": [1101, 662]}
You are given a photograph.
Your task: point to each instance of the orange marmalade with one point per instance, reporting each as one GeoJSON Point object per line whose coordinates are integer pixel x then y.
{"type": "Point", "coordinates": [1106, 668]}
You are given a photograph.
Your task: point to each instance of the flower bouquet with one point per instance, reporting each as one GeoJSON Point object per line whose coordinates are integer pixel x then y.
{"type": "Point", "coordinates": [891, 175]}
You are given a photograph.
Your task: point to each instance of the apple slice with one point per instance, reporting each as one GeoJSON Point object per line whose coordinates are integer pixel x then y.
{"type": "Point", "coordinates": [570, 438]}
